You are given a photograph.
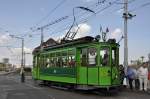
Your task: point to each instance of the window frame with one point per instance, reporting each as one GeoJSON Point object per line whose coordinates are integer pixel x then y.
{"type": "Point", "coordinates": [109, 57]}
{"type": "Point", "coordinates": [87, 56]}
{"type": "Point", "coordinates": [54, 57]}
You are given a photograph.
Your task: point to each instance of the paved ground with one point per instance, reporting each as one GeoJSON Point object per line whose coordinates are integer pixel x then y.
{"type": "Point", "coordinates": [11, 88]}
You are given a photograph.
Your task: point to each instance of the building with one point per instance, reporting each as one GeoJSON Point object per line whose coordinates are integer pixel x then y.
{"type": "Point", "coordinates": [5, 65]}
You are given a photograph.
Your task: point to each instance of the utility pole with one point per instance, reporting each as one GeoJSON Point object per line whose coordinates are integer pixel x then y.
{"type": "Point", "coordinates": [45, 26]}
{"type": "Point", "coordinates": [125, 16]}
{"type": "Point", "coordinates": [42, 36]}
{"type": "Point", "coordinates": [22, 57]}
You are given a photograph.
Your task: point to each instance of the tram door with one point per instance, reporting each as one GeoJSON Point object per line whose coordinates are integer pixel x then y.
{"type": "Point", "coordinates": [88, 70]}
{"type": "Point", "coordinates": [105, 67]}
{"type": "Point", "coordinates": [92, 66]}
{"type": "Point", "coordinates": [35, 70]}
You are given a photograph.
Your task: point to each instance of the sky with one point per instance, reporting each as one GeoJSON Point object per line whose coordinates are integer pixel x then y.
{"type": "Point", "coordinates": [23, 17]}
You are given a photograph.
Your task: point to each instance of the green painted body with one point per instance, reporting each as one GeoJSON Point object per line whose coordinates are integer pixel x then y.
{"type": "Point", "coordinates": [100, 76]}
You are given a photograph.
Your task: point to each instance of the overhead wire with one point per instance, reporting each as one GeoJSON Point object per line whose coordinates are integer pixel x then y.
{"type": "Point", "coordinates": [95, 4]}
{"type": "Point", "coordinates": [45, 17]}
{"type": "Point", "coordinates": [82, 13]}
{"type": "Point", "coordinates": [83, 20]}
{"type": "Point", "coordinates": [52, 11]}
{"type": "Point", "coordinates": [141, 6]}
{"type": "Point", "coordinates": [130, 2]}
{"type": "Point", "coordinates": [86, 19]}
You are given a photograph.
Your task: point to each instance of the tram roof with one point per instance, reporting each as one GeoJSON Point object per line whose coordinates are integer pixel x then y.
{"type": "Point", "coordinates": [54, 44]}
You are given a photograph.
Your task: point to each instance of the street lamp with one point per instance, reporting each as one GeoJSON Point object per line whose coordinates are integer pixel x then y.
{"type": "Point", "coordinates": [22, 55]}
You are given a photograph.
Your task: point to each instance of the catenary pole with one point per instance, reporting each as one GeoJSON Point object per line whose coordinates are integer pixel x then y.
{"type": "Point", "coordinates": [125, 16]}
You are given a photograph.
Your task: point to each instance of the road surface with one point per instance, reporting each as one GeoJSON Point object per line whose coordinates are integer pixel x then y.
{"type": "Point", "coordinates": [11, 88]}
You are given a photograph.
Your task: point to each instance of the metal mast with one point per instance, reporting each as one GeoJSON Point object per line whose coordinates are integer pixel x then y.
{"type": "Point", "coordinates": [125, 16]}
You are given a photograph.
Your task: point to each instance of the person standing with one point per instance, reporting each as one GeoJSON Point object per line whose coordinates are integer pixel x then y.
{"type": "Point", "coordinates": [130, 75]}
{"type": "Point", "coordinates": [136, 79]}
{"type": "Point", "coordinates": [122, 74]}
{"type": "Point", "coordinates": [143, 76]}
{"type": "Point", "coordinates": [149, 79]}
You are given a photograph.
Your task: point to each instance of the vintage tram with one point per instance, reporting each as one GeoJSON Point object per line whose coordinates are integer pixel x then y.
{"type": "Point", "coordinates": [84, 63]}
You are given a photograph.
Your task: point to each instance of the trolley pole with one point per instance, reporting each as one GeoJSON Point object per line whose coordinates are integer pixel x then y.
{"type": "Point", "coordinates": [125, 16]}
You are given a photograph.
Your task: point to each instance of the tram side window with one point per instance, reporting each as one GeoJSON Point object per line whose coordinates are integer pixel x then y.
{"type": "Point", "coordinates": [104, 56]}
{"type": "Point", "coordinates": [55, 61]}
{"type": "Point", "coordinates": [92, 56]}
{"type": "Point", "coordinates": [114, 55]}
{"type": "Point", "coordinates": [84, 56]}
{"type": "Point", "coordinates": [71, 58]}
{"type": "Point", "coordinates": [71, 61]}
{"type": "Point", "coordinates": [52, 60]}
{"type": "Point", "coordinates": [41, 61]}
{"type": "Point", "coordinates": [35, 61]}
{"type": "Point", "coordinates": [47, 62]}
{"type": "Point", "coordinates": [59, 61]}
{"type": "Point", "coordinates": [44, 61]}
{"type": "Point", "coordinates": [64, 59]}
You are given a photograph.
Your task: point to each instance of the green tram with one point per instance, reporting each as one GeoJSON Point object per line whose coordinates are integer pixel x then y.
{"type": "Point", "coordinates": [83, 63]}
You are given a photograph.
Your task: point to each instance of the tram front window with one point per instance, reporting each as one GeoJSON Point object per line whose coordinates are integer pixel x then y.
{"type": "Point", "coordinates": [92, 56]}
{"type": "Point", "coordinates": [89, 56]}
{"type": "Point", "coordinates": [114, 55]}
{"type": "Point", "coordinates": [104, 56]}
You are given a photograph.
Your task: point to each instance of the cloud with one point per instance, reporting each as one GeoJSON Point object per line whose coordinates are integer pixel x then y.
{"type": "Point", "coordinates": [5, 39]}
{"type": "Point", "coordinates": [84, 30]}
{"type": "Point", "coordinates": [117, 33]}
{"type": "Point", "coordinates": [16, 52]}
{"type": "Point", "coordinates": [19, 50]}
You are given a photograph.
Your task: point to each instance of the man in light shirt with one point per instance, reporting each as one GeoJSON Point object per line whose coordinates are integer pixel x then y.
{"type": "Point", "coordinates": [143, 76]}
